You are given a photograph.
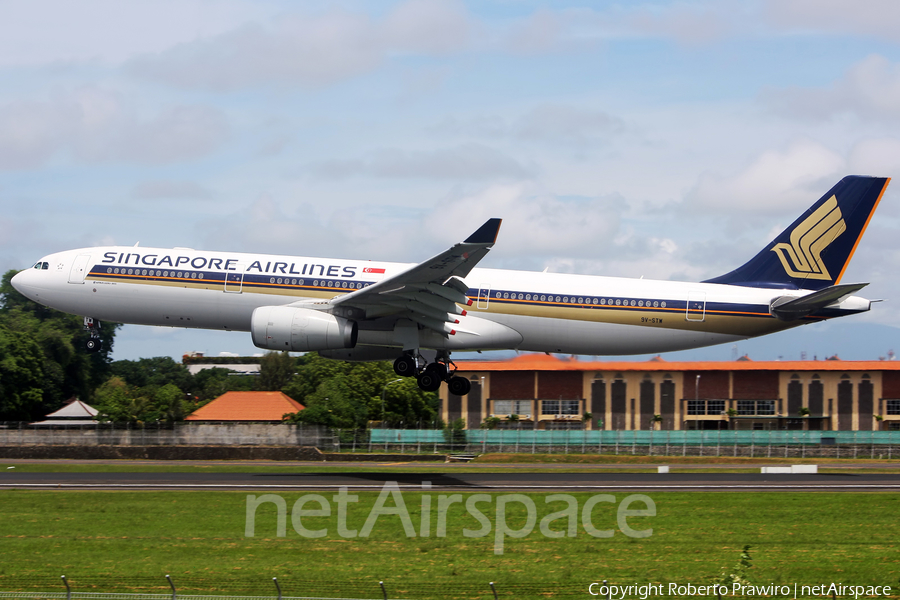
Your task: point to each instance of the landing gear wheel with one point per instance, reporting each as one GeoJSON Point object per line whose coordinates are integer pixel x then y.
{"type": "Point", "coordinates": [405, 366]}
{"type": "Point", "coordinates": [428, 380]}
{"type": "Point", "coordinates": [459, 386]}
{"type": "Point", "coordinates": [93, 345]}
{"type": "Point", "coordinates": [440, 370]}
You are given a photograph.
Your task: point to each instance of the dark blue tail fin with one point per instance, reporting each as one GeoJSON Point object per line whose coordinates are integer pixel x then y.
{"type": "Point", "coordinates": [815, 250]}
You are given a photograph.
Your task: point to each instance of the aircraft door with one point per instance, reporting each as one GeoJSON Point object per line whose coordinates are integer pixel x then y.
{"type": "Point", "coordinates": [79, 268]}
{"type": "Point", "coordinates": [484, 296]}
{"type": "Point", "coordinates": [696, 306]}
{"type": "Point", "coordinates": [234, 280]}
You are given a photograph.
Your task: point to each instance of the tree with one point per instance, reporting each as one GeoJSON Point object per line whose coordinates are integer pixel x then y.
{"type": "Point", "coordinates": [169, 404]}
{"type": "Point", "coordinates": [311, 371]}
{"type": "Point", "coordinates": [275, 370]}
{"type": "Point", "coordinates": [348, 395]}
{"type": "Point", "coordinates": [21, 376]}
{"type": "Point", "coordinates": [115, 401]}
{"type": "Point", "coordinates": [405, 402]}
{"type": "Point", "coordinates": [455, 434]}
{"type": "Point", "coordinates": [209, 384]}
{"type": "Point", "coordinates": [158, 372]}
{"type": "Point", "coordinates": [119, 402]}
{"type": "Point", "coordinates": [66, 368]}
{"type": "Point", "coordinates": [490, 423]}
{"type": "Point", "coordinates": [336, 403]}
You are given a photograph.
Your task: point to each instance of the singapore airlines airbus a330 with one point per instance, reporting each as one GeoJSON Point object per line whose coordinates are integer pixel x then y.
{"type": "Point", "coordinates": [370, 310]}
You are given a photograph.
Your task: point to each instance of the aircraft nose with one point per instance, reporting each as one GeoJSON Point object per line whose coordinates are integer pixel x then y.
{"type": "Point", "coordinates": [23, 282]}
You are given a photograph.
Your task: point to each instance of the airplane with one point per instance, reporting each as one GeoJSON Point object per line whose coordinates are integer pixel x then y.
{"type": "Point", "coordinates": [417, 314]}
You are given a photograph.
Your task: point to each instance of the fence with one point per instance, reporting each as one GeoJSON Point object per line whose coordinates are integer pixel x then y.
{"type": "Point", "coordinates": [839, 444]}
{"type": "Point", "coordinates": [168, 434]}
{"type": "Point", "coordinates": [194, 588]}
{"type": "Point", "coordinates": [781, 443]}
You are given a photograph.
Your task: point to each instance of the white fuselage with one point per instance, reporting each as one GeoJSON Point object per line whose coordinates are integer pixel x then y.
{"type": "Point", "coordinates": [551, 312]}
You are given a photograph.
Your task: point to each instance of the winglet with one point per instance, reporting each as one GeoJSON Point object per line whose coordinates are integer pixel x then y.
{"type": "Point", "coordinates": [486, 234]}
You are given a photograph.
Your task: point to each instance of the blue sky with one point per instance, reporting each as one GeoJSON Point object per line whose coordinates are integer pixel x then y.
{"type": "Point", "coordinates": [668, 140]}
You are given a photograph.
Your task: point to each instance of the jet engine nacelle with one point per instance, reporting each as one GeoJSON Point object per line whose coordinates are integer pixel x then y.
{"type": "Point", "coordinates": [300, 329]}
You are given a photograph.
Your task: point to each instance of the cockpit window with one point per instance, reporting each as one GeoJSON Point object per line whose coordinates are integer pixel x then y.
{"type": "Point", "coordinates": [42, 266]}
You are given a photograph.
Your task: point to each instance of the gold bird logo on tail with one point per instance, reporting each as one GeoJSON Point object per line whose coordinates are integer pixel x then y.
{"type": "Point", "coordinates": [802, 257]}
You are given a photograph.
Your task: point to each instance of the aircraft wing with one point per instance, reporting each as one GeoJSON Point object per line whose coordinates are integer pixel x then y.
{"type": "Point", "coordinates": [428, 293]}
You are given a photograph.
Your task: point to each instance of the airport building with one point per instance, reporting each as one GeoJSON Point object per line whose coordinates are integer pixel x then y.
{"type": "Point", "coordinates": [538, 391]}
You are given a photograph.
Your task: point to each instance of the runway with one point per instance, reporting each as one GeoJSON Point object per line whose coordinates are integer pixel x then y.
{"type": "Point", "coordinates": [490, 482]}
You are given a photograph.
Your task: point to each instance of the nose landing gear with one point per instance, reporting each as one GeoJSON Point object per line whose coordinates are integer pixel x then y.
{"type": "Point", "coordinates": [430, 377]}
{"type": "Point", "coordinates": [93, 344]}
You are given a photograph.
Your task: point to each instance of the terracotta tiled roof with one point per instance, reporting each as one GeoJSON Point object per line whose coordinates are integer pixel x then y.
{"type": "Point", "coordinates": [247, 406]}
{"type": "Point", "coordinates": [543, 362]}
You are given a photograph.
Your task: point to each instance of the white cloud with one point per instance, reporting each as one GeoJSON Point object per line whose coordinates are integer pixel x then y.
{"type": "Point", "coordinates": [581, 29]}
{"type": "Point", "coordinates": [538, 224]}
{"type": "Point", "coordinates": [879, 157]}
{"type": "Point", "coordinates": [93, 125]}
{"type": "Point", "coordinates": [556, 124]}
{"type": "Point", "coordinates": [688, 23]}
{"type": "Point", "coordinates": [30, 132]}
{"type": "Point", "coordinates": [870, 18]}
{"type": "Point", "coordinates": [776, 181]}
{"type": "Point", "coordinates": [58, 31]}
{"type": "Point", "coordinates": [539, 32]}
{"type": "Point", "coordinates": [537, 227]}
{"type": "Point", "coordinates": [426, 27]}
{"type": "Point", "coordinates": [467, 162]}
{"type": "Point", "coordinates": [166, 190]}
{"type": "Point", "coordinates": [699, 23]}
{"type": "Point", "coordinates": [869, 90]}
{"type": "Point", "coordinates": [265, 226]}
{"type": "Point", "coordinates": [309, 50]}
{"type": "Point", "coordinates": [566, 124]}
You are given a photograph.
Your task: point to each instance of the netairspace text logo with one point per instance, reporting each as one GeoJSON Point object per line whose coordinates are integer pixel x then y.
{"type": "Point", "coordinates": [476, 506]}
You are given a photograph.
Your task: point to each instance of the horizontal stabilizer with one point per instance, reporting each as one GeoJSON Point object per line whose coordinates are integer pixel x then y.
{"type": "Point", "coordinates": [790, 308]}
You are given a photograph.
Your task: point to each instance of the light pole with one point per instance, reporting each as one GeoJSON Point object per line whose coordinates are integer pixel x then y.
{"type": "Point", "coordinates": [697, 395]}
{"type": "Point", "coordinates": [383, 390]}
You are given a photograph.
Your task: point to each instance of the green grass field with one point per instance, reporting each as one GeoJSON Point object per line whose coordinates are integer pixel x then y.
{"type": "Point", "coordinates": [128, 541]}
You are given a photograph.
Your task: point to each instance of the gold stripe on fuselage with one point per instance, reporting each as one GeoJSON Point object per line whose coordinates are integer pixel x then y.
{"type": "Point", "coordinates": [726, 322]}
{"type": "Point", "coordinates": [732, 323]}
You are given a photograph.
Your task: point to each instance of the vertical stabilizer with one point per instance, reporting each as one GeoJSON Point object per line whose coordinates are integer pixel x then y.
{"type": "Point", "coordinates": [815, 250]}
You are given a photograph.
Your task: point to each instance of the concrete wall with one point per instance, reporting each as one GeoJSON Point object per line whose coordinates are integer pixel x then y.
{"type": "Point", "coordinates": [188, 434]}
{"type": "Point", "coordinates": [97, 452]}
{"type": "Point", "coordinates": [198, 453]}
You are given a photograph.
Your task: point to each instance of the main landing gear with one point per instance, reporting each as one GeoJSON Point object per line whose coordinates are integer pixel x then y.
{"type": "Point", "coordinates": [430, 377]}
{"type": "Point", "coordinates": [93, 344]}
